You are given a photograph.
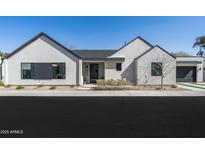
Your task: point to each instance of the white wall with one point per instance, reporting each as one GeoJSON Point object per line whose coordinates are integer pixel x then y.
{"type": "Point", "coordinates": [40, 51]}
{"type": "Point", "coordinates": [143, 67]}
{"type": "Point", "coordinates": [129, 52]}
{"type": "Point", "coordinates": [111, 72]}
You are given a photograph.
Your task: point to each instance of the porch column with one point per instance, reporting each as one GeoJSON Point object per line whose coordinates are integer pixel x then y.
{"type": "Point", "coordinates": [80, 73]}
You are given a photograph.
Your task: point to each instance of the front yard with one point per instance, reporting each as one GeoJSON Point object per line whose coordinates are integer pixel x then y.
{"type": "Point", "coordinates": [39, 88]}
{"type": "Point", "coordinates": [100, 85]}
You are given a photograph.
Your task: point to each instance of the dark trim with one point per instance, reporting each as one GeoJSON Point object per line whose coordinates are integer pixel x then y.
{"type": "Point", "coordinates": [188, 62]}
{"type": "Point", "coordinates": [138, 37]}
{"type": "Point", "coordinates": [21, 71]}
{"type": "Point", "coordinates": [153, 48]}
{"type": "Point", "coordinates": [35, 38]}
{"type": "Point", "coordinates": [42, 63]}
{"type": "Point", "coordinates": [103, 59]}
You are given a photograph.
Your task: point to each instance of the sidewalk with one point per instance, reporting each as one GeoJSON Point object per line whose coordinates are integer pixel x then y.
{"type": "Point", "coordinates": [102, 93]}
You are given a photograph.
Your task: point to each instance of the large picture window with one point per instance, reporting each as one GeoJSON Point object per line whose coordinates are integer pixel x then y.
{"type": "Point", "coordinates": [43, 71]}
{"type": "Point", "coordinates": [156, 69]}
{"type": "Point", "coordinates": [58, 70]}
{"type": "Point", "coordinates": [27, 71]}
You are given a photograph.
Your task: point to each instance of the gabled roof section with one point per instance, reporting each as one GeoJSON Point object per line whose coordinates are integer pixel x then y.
{"type": "Point", "coordinates": [138, 37]}
{"type": "Point", "coordinates": [35, 38]}
{"type": "Point", "coordinates": [156, 46]}
{"type": "Point", "coordinates": [94, 53]}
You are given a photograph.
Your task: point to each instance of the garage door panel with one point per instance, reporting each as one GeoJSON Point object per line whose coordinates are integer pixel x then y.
{"type": "Point", "coordinates": [186, 74]}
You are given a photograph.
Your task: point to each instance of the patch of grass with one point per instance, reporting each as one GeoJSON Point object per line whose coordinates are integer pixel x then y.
{"type": "Point", "coordinates": [52, 88]}
{"type": "Point", "coordinates": [19, 87]}
{"type": "Point", "coordinates": [39, 86]}
{"type": "Point", "coordinates": [173, 86]}
{"type": "Point", "coordinates": [72, 86]}
{"type": "Point", "coordinates": [1, 83]}
{"type": "Point", "coordinates": [7, 86]}
{"type": "Point", "coordinates": [158, 88]}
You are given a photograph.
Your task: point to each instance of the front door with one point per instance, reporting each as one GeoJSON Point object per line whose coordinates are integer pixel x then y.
{"type": "Point", "coordinates": [93, 73]}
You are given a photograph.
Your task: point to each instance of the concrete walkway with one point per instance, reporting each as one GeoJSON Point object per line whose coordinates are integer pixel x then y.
{"type": "Point", "coordinates": [102, 93]}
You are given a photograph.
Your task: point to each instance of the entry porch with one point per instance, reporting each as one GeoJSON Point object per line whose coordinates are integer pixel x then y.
{"type": "Point", "coordinates": [92, 71]}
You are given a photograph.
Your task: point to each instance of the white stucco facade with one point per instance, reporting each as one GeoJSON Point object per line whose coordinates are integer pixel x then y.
{"type": "Point", "coordinates": [40, 51]}
{"type": "Point", "coordinates": [129, 52]}
{"type": "Point", "coordinates": [143, 68]}
{"type": "Point", "coordinates": [135, 59]}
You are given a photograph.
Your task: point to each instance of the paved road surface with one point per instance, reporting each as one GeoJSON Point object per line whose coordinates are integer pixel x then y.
{"type": "Point", "coordinates": [102, 116]}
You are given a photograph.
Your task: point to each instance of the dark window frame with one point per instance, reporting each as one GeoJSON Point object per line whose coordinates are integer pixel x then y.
{"type": "Point", "coordinates": [118, 66]}
{"type": "Point", "coordinates": [154, 72]}
{"type": "Point", "coordinates": [64, 73]}
{"type": "Point", "coordinates": [32, 77]}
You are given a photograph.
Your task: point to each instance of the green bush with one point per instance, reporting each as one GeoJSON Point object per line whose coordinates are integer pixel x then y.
{"type": "Point", "coordinates": [112, 82]}
{"type": "Point", "coordinates": [72, 86]}
{"type": "Point", "coordinates": [100, 82]}
{"type": "Point", "coordinates": [40, 85]}
{"type": "Point", "coordinates": [52, 87]}
{"type": "Point", "coordinates": [1, 83]}
{"type": "Point", "coordinates": [7, 86]}
{"type": "Point", "coordinates": [19, 87]}
{"type": "Point", "coordinates": [173, 86]}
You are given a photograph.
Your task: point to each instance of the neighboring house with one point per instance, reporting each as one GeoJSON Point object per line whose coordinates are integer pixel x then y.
{"type": "Point", "coordinates": [42, 60]}
{"type": "Point", "coordinates": [1, 67]}
{"type": "Point", "coordinates": [190, 69]}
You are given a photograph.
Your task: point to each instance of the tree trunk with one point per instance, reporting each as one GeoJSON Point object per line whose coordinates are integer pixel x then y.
{"type": "Point", "coordinates": [162, 83]}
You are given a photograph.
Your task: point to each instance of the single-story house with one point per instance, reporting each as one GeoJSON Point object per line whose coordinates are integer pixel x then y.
{"type": "Point", "coordinates": [43, 60]}
{"type": "Point", "coordinates": [190, 69]}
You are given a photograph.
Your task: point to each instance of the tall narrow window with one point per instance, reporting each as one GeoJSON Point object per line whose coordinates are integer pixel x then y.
{"type": "Point", "coordinates": [156, 69]}
{"type": "Point", "coordinates": [118, 66]}
{"type": "Point", "coordinates": [58, 70]}
{"type": "Point", "coordinates": [27, 71]}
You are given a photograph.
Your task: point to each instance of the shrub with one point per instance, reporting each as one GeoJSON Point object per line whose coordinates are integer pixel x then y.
{"type": "Point", "coordinates": [52, 87]}
{"type": "Point", "coordinates": [173, 86]}
{"type": "Point", "coordinates": [158, 88]}
{"type": "Point", "coordinates": [100, 82]}
{"type": "Point", "coordinates": [72, 86]}
{"type": "Point", "coordinates": [112, 82]}
{"type": "Point", "coordinates": [19, 87]}
{"type": "Point", "coordinates": [1, 83]}
{"type": "Point", "coordinates": [40, 85]}
{"type": "Point", "coordinates": [7, 86]}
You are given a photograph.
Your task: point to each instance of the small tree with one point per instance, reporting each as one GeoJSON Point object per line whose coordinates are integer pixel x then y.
{"type": "Point", "coordinates": [180, 53]}
{"type": "Point", "coordinates": [200, 42]}
{"type": "Point", "coordinates": [163, 67]}
{"type": "Point", "coordinates": [3, 54]}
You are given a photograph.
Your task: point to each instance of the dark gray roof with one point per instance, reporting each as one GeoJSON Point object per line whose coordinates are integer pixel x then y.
{"type": "Point", "coordinates": [84, 54]}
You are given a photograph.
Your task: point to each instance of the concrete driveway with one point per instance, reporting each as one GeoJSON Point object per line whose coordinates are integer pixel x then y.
{"type": "Point", "coordinates": [192, 86]}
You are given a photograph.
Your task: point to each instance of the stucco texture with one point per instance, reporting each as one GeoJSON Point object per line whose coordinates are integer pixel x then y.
{"type": "Point", "coordinates": [143, 67]}
{"type": "Point", "coordinates": [40, 51]}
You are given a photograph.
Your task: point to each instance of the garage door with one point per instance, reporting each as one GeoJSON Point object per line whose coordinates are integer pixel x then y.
{"type": "Point", "coordinates": [186, 74]}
